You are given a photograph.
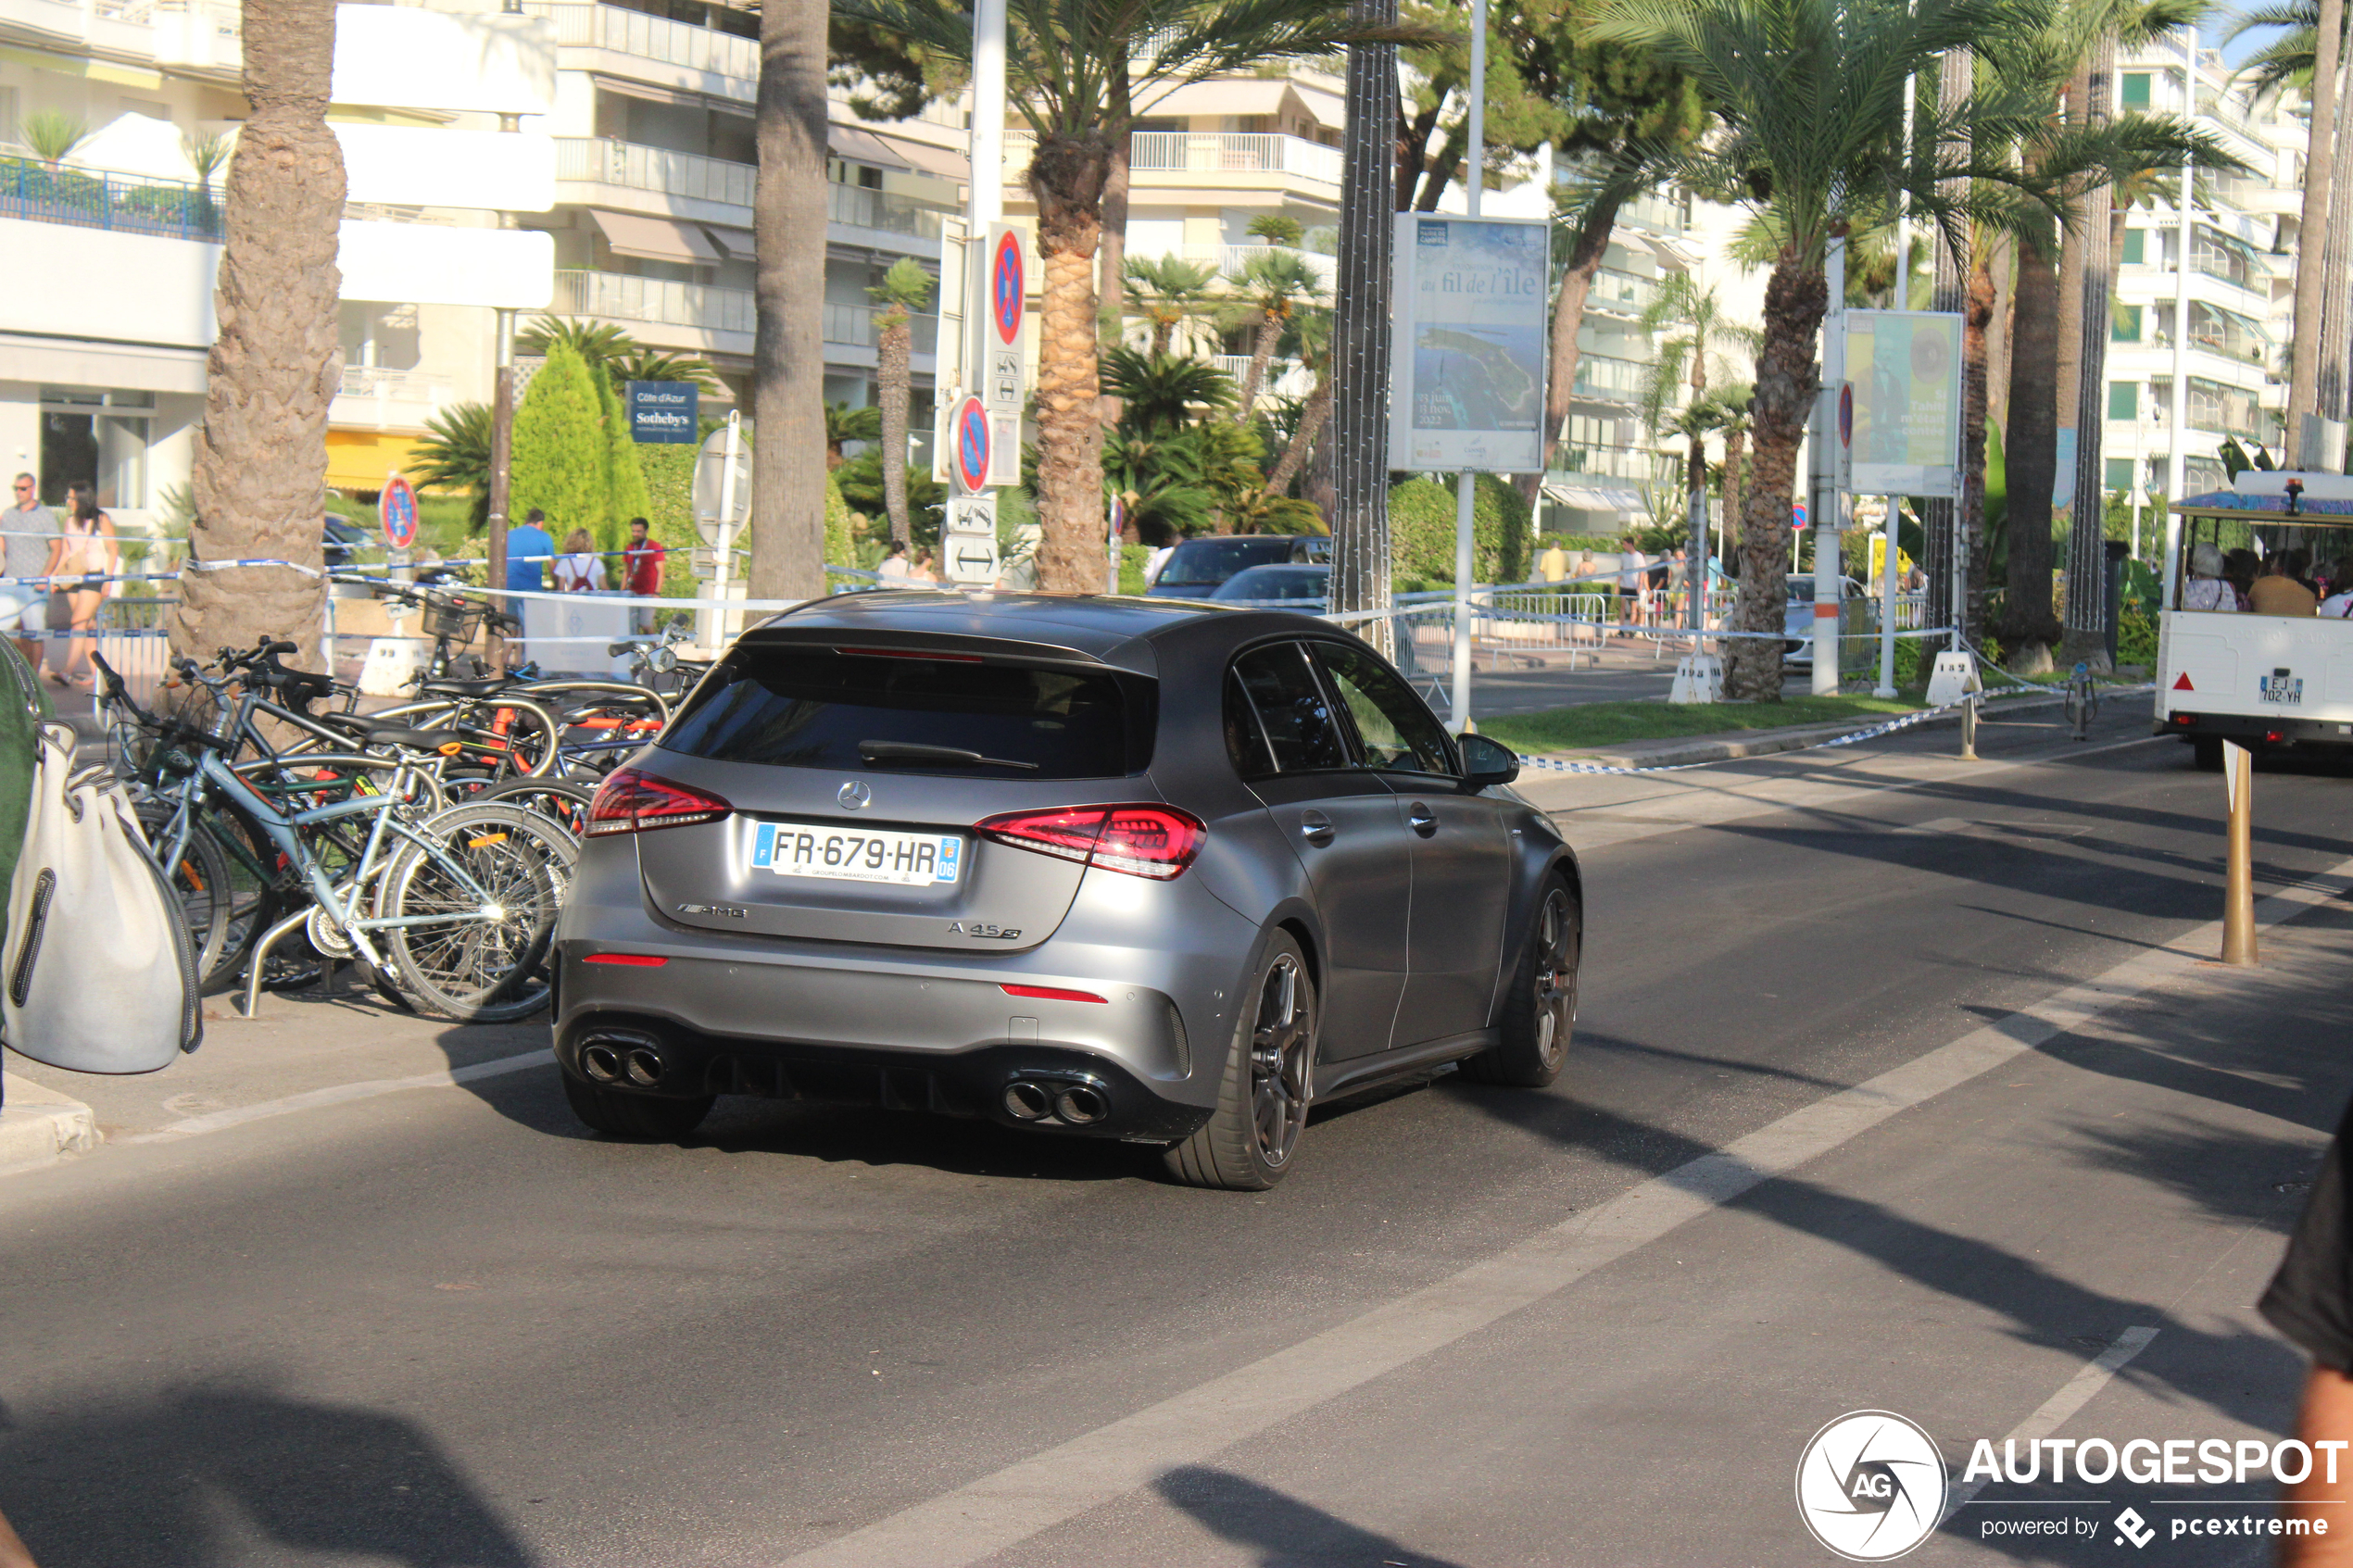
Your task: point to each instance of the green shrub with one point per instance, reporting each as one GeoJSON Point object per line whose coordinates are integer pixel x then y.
{"type": "Point", "coordinates": [1421, 531]}
{"type": "Point", "coordinates": [561, 463]}
{"type": "Point", "coordinates": [2135, 636]}
{"type": "Point", "coordinates": [670, 512]}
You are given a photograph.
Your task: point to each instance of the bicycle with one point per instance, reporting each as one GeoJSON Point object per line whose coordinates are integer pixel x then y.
{"type": "Point", "coordinates": [458, 903]}
{"type": "Point", "coordinates": [2082, 701]}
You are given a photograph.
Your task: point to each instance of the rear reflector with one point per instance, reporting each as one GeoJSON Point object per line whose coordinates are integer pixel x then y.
{"type": "Point", "coordinates": [631, 800]}
{"type": "Point", "coordinates": [1049, 994]}
{"type": "Point", "coordinates": [632, 961]}
{"type": "Point", "coordinates": [1147, 839]}
{"type": "Point", "coordinates": [910, 653]}
{"type": "Point", "coordinates": [2274, 736]}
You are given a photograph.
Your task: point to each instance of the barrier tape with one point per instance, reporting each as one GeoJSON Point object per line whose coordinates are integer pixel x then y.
{"type": "Point", "coordinates": [1902, 722]}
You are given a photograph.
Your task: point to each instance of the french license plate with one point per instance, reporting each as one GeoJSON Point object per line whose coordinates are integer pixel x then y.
{"type": "Point", "coordinates": [2280, 686]}
{"type": "Point", "coordinates": [905, 859]}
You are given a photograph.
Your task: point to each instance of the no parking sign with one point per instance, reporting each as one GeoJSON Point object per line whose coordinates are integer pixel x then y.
{"type": "Point", "coordinates": [396, 512]}
{"type": "Point", "coordinates": [969, 443]}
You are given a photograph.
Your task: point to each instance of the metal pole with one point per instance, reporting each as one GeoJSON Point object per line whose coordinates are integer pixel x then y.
{"type": "Point", "coordinates": [502, 451]}
{"type": "Point", "coordinates": [984, 195]}
{"type": "Point", "coordinates": [2175, 458]}
{"type": "Point", "coordinates": [1886, 687]}
{"type": "Point", "coordinates": [722, 564]}
{"type": "Point", "coordinates": [2238, 882]}
{"type": "Point", "coordinates": [1826, 566]}
{"type": "Point", "coordinates": [1474, 180]}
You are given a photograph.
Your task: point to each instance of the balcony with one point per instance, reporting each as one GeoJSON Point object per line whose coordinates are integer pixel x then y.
{"type": "Point", "coordinates": [701, 315]}
{"type": "Point", "coordinates": [1229, 259]}
{"type": "Point", "coordinates": [374, 395]}
{"type": "Point", "coordinates": [854, 326]}
{"type": "Point", "coordinates": [696, 59]}
{"type": "Point", "coordinates": [1602, 379]}
{"type": "Point", "coordinates": [689, 176]}
{"type": "Point", "coordinates": [1285, 377]}
{"type": "Point", "coordinates": [1226, 156]}
{"type": "Point", "coordinates": [1626, 294]}
{"type": "Point", "coordinates": [1639, 464]}
{"type": "Point", "coordinates": [95, 199]}
{"type": "Point", "coordinates": [1660, 214]}
{"type": "Point", "coordinates": [885, 211]}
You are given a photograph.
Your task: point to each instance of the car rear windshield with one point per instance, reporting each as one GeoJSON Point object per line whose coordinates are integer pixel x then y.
{"type": "Point", "coordinates": [1211, 562]}
{"type": "Point", "coordinates": [794, 706]}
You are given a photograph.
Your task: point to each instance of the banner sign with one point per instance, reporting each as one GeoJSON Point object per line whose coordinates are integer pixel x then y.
{"type": "Point", "coordinates": [1468, 348]}
{"type": "Point", "coordinates": [1904, 370]}
{"type": "Point", "coordinates": [664, 412]}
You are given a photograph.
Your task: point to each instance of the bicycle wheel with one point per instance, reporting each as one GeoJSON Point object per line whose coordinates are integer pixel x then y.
{"type": "Point", "coordinates": [202, 885]}
{"type": "Point", "coordinates": [477, 957]}
{"type": "Point", "coordinates": [560, 800]}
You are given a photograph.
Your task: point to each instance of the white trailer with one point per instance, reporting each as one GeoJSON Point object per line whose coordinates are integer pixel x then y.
{"type": "Point", "coordinates": [2271, 683]}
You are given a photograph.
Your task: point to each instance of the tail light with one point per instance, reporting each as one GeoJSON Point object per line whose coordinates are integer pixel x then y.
{"type": "Point", "coordinates": [632, 801]}
{"type": "Point", "coordinates": [1151, 841]}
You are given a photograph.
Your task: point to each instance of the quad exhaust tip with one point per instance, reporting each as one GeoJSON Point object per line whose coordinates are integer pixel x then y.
{"type": "Point", "coordinates": [1026, 1102]}
{"type": "Point", "coordinates": [630, 1060]}
{"type": "Point", "coordinates": [601, 1064]}
{"type": "Point", "coordinates": [1056, 1099]}
{"type": "Point", "coordinates": [643, 1066]}
{"type": "Point", "coordinates": [1081, 1104]}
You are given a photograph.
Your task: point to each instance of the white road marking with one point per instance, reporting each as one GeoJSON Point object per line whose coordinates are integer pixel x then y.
{"type": "Point", "coordinates": [998, 1510]}
{"type": "Point", "coordinates": [2073, 1395]}
{"type": "Point", "coordinates": [340, 1094]}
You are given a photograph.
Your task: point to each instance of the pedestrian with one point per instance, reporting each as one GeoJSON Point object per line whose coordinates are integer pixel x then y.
{"type": "Point", "coordinates": [87, 548]}
{"type": "Point", "coordinates": [33, 545]}
{"type": "Point", "coordinates": [641, 571]}
{"type": "Point", "coordinates": [2206, 590]}
{"type": "Point", "coordinates": [1629, 585]}
{"type": "Point", "coordinates": [579, 569]}
{"type": "Point", "coordinates": [1553, 565]}
{"type": "Point", "coordinates": [923, 570]}
{"type": "Point", "coordinates": [2277, 591]}
{"type": "Point", "coordinates": [2310, 1301]}
{"type": "Point", "coordinates": [893, 570]}
{"type": "Point", "coordinates": [529, 549]}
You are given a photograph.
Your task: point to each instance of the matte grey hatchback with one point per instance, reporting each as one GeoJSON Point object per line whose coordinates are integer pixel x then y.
{"type": "Point", "coordinates": [1095, 867]}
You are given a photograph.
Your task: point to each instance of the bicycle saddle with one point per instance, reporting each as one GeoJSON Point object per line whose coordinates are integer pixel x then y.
{"type": "Point", "coordinates": [413, 740]}
{"type": "Point", "coordinates": [488, 687]}
{"type": "Point", "coordinates": [353, 725]}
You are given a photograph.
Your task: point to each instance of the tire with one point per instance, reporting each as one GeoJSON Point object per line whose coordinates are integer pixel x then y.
{"type": "Point", "coordinates": [1251, 1139]}
{"type": "Point", "coordinates": [1540, 1011]}
{"type": "Point", "coordinates": [204, 889]}
{"type": "Point", "coordinates": [2206, 753]}
{"type": "Point", "coordinates": [560, 800]}
{"type": "Point", "coordinates": [641, 1117]}
{"type": "Point", "coordinates": [472, 970]}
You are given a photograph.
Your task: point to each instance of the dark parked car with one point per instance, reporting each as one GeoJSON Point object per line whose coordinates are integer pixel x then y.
{"type": "Point", "coordinates": [1857, 616]}
{"type": "Point", "coordinates": [1198, 566]}
{"type": "Point", "coordinates": [339, 537]}
{"type": "Point", "coordinates": [1262, 585]}
{"type": "Point", "coordinates": [1162, 873]}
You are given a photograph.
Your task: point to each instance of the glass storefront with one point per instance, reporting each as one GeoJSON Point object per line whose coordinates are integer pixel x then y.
{"type": "Point", "coordinates": [90, 435]}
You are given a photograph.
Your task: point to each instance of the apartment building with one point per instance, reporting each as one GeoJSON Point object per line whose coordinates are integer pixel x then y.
{"type": "Point", "coordinates": [114, 241]}
{"type": "Point", "coordinates": [2241, 282]}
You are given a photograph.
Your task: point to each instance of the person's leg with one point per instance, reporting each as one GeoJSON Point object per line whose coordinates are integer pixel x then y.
{"type": "Point", "coordinates": [85, 620]}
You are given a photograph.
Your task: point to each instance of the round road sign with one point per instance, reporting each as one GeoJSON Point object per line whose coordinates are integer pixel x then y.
{"type": "Point", "coordinates": [1005, 289]}
{"type": "Point", "coordinates": [969, 431]}
{"type": "Point", "coordinates": [396, 511]}
{"type": "Point", "coordinates": [1798, 514]}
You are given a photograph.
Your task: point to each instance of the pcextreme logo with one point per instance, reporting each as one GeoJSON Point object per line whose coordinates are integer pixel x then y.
{"type": "Point", "coordinates": [1870, 1486]}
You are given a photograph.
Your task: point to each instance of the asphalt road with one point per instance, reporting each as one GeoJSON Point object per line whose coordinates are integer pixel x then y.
{"type": "Point", "coordinates": [444, 1327]}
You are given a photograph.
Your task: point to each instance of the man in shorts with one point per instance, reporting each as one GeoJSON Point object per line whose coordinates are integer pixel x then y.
{"type": "Point", "coordinates": [33, 543]}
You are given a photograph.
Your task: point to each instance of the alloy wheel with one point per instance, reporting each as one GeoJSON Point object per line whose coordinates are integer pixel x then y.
{"type": "Point", "coordinates": [1555, 978]}
{"type": "Point", "coordinates": [1282, 1039]}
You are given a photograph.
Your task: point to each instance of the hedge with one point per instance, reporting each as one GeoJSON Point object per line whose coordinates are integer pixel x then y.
{"type": "Point", "coordinates": [1421, 531]}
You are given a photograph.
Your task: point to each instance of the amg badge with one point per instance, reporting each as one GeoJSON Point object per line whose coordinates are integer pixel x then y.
{"type": "Point", "coordinates": [958, 928]}
{"type": "Point", "coordinates": [728, 910]}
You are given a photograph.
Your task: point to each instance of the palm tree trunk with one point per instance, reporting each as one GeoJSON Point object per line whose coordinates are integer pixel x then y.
{"type": "Point", "coordinates": [1312, 414]}
{"type": "Point", "coordinates": [1735, 460]}
{"type": "Point", "coordinates": [261, 452]}
{"type": "Point", "coordinates": [788, 356]}
{"type": "Point", "coordinates": [1569, 317]}
{"type": "Point", "coordinates": [891, 348]}
{"type": "Point", "coordinates": [2311, 240]}
{"type": "Point", "coordinates": [1977, 318]}
{"type": "Point", "coordinates": [2086, 636]}
{"type": "Point", "coordinates": [1262, 349]}
{"type": "Point", "coordinates": [1943, 524]}
{"type": "Point", "coordinates": [2002, 257]}
{"type": "Point", "coordinates": [2075, 247]}
{"type": "Point", "coordinates": [1796, 300]}
{"type": "Point", "coordinates": [1066, 175]}
{"type": "Point", "coordinates": [1370, 176]}
{"type": "Point", "coordinates": [2028, 629]}
{"type": "Point", "coordinates": [1111, 272]}
{"type": "Point", "coordinates": [2337, 289]}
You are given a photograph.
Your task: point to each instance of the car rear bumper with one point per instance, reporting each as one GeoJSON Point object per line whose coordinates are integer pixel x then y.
{"type": "Point", "coordinates": [2255, 729]}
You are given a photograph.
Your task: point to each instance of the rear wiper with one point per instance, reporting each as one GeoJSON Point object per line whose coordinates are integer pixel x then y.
{"type": "Point", "coordinates": [916, 751]}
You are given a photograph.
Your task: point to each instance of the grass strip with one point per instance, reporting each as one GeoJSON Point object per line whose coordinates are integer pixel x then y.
{"type": "Point", "coordinates": [1590, 725]}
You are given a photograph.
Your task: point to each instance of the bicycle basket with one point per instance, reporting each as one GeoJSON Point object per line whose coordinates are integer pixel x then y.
{"type": "Point", "coordinates": [457, 620]}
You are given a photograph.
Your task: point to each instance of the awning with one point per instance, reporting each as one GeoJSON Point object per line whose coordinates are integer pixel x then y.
{"type": "Point", "coordinates": [654, 239]}
{"type": "Point", "coordinates": [737, 243]}
{"type": "Point", "coordinates": [1246, 96]}
{"type": "Point", "coordinates": [864, 147]}
{"type": "Point", "coordinates": [1593, 499]}
{"type": "Point", "coordinates": [925, 159]}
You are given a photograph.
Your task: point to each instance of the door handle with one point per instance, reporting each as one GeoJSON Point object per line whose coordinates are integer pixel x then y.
{"type": "Point", "coordinates": [1316, 828]}
{"type": "Point", "coordinates": [1419, 819]}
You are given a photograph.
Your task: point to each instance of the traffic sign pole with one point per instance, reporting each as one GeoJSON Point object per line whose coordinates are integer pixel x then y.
{"type": "Point", "coordinates": [715, 621]}
{"type": "Point", "coordinates": [1829, 573]}
{"type": "Point", "coordinates": [1466, 485]}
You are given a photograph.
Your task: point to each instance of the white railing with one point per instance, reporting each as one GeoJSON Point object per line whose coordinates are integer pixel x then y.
{"type": "Point", "coordinates": [1230, 260]}
{"type": "Point", "coordinates": [1621, 294]}
{"type": "Point", "coordinates": [1220, 152]}
{"type": "Point", "coordinates": [1615, 462]}
{"type": "Point", "coordinates": [623, 299]}
{"type": "Point", "coordinates": [399, 386]}
{"type": "Point", "coordinates": [1285, 377]}
{"type": "Point", "coordinates": [854, 326]}
{"type": "Point", "coordinates": [1657, 213]}
{"type": "Point", "coordinates": [640, 167]}
{"type": "Point", "coordinates": [892, 213]}
{"type": "Point", "coordinates": [1599, 375]}
{"type": "Point", "coordinates": [651, 38]}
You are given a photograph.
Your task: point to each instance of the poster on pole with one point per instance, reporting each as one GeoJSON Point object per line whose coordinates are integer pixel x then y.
{"type": "Point", "coordinates": [1469, 349]}
{"type": "Point", "coordinates": [1904, 434]}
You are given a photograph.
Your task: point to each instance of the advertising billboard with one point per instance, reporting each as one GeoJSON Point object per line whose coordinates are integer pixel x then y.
{"type": "Point", "coordinates": [1469, 344]}
{"type": "Point", "coordinates": [1904, 370]}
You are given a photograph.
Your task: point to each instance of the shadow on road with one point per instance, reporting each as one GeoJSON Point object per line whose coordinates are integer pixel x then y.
{"type": "Point", "coordinates": [1285, 1531]}
{"type": "Point", "coordinates": [206, 1478]}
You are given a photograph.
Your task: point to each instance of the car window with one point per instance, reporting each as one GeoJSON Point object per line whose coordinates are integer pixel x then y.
{"type": "Point", "coordinates": [1207, 562]}
{"type": "Point", "coordinates": [1278, 718]}
{"type": "Point", "coordinates": [1397, 731]}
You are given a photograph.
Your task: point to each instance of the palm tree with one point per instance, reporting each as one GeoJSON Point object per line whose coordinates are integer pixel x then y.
{"type": "Point", "coordinates": [1082, 71]}
{"type": "Point", "coordinates": [262, 451]}
{"type": "Point", "coordinates": [655, 364]}
{"type": "Point", "coordinates": [1311, 343]}
{"type": "Point", "coordinates": [2311, 240]}
{"type": "Point", "coordinates": [1167, 292]}
{"type": "Point", "coordinates": [207, 156]}
{"type": "Point", "coordinates": [1269, 292]}
{"type": "Point", "coordinates": [1159, 392]}
{"type": "Point", "coordinates": [1811, 94]}
{"type": "Point", "coordinates": [844, 424]}
{"type": "Point", "coordinates": [455, 455]}
{"type": "Point", "coordinates": [53, 136]}
{"type": "Point", "coordinates": [904, 289]}
{"type": "Point", "coordinates": [595, 342]}
{"type": "Point", "coordinates": [788, 351]}
{"type": "Point", "coordinates": [1699, 328]}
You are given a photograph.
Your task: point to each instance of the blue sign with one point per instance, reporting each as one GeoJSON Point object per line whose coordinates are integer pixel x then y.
{"type": "Point", "coordinates": [665, 412]}
{"type": "Point", "coordinates": [397, 510]}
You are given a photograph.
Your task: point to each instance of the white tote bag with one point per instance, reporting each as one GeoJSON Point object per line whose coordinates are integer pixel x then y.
{"type": "Point", "coordinates": [98, 973]}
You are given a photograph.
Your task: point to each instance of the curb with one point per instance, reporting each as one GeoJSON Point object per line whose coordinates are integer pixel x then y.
{"type": "Point", "coordinates": [39, 1126]}
{"type": "Point", "coordinates": [1763, 743]}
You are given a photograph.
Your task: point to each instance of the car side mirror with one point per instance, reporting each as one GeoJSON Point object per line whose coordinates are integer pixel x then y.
{"type": "Point", "coordinates": [1485, 761]}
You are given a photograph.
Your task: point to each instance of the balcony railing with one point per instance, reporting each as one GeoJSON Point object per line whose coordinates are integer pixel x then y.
{"type": "Point", "coordinates": [1621, 294]}
{"type": "Point", "coordinates": [853, 325]}
{"type": "Point", "coordinates": [1230, 260]}
{"type": "Point", "coordinates": [619, 297]}
{"type": "Point", "coordinates": [1661, 214]}
{"type": "Point", "coordinates": [640, 167]}
{"type": "Point", "coordinates": [1224, 152]}
{"type": "Point", "coordinates": [1611, 380]}
{"type": "Point", "coordinates": [887, 210]}
{"type": "Point", "coordinates": [1636, 463]}
{"type": "Point", "coordinates": [395, 386]}
{"type": "Point", "coordinates": [651, 38]}
{"type": "Point", "coordinates": [1285, 377]}
{"type": "Point", "coordinates": [95, 199]}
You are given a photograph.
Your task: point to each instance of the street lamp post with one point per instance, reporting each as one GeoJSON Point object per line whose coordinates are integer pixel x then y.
{"type": "Point", "coordinates": [1465, 486]}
